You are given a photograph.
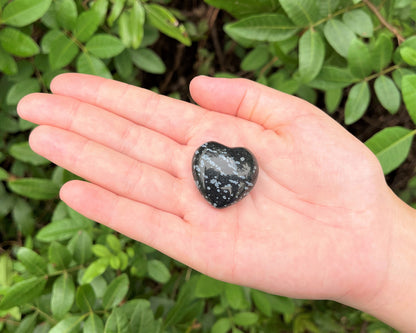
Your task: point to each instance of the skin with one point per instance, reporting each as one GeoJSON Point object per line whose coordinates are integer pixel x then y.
{"type": "Point", "coordinates": [321, 223]}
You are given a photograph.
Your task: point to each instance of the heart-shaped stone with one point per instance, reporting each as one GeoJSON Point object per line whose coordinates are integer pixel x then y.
{"type": "Point", "coordinates": [224, 175]}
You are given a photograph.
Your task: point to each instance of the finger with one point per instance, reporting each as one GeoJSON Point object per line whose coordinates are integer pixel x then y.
{"type": "Point", "coordinates": [249, 100]}
{"type": "Point", "coordinates": [107, 168]}
{"type": "Point", "coordinates": [165, 115]}
{"type": "Point", "coordinates": [161, 230]}
{"type": "Point", "coordinates": [105, 128]}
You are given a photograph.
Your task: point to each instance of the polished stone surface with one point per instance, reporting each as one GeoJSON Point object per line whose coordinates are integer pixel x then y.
{"type": "Point", "coordinates": [224, 175]}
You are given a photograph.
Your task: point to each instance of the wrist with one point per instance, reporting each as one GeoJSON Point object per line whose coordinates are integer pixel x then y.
{"type": "Point", "coordinates": [394, 303]}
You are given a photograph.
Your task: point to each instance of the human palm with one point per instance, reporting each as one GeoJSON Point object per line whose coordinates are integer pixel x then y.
{"type": "Point", "coordinates": [310, 228]}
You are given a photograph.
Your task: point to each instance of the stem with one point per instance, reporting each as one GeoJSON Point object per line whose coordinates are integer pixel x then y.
{"type": "Point", "coordinates": [339, 12]}
{"type": "Point", "coordinates": [383, 21]}
{"type": "Point", "coordinates": [75, 268]}
{"type": "Point", "coordinates": [45, 315]}
{"type": "Point", "coordinates": [268, 65]}
{"type": "Point", "coordinates": [384, 71]}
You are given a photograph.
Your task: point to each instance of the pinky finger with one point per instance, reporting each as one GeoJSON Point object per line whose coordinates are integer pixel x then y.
{"type": "Point", "coordinates": [163, 231]}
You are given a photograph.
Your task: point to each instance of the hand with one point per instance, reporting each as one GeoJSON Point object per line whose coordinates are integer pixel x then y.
{"type": "Point", "coordinates": [314, 226]}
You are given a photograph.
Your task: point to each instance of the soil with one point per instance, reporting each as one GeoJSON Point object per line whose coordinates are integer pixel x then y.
{"type": "Point", "coordinates": [185, 63]}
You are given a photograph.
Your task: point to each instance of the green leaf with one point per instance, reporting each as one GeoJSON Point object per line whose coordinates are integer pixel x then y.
{"type": "Point", "coordinates": [17, 43]}
{"type": "Point", "coordinates": [48, 38]}
{"type": "Point", "coordinates": [86, 25]}
{"type": "Point", "coordinates": [301, 12]}
{"type": "Point", "coordinates": [104, 46]}
{"type": "Point", "coordinates": [158, 271]}
{"type": "Point", "coordinates": [339, 36]}
{"type": "Point", "coordinates": [327, 7]}
{"type": "Point", "coordinates": [332, 77]}
{"type": "Point", "coordinates": [333, 99]}
{"type": "Point", "coordinates": [408, 54]}
{"type": "Point", "coordinates": [66, 13]}
{"type": "Point", "coordinates": [85, 298]}
{"type": "Point", "coordinates": [381, 53]}
{"type": "Point", "coordinates": [117, 322]}
{"type": "Point", "coordinates": [89, 64]}
{"type": "Point", "coordinates": [113, 242]}
{"type": "Point", "coordinates": [83, 247]}
{"type": "Point", "coordinates": [264, 27]}
{"type": "Point", "coordinates": [235, 297]}
{"type": "Point", "coordinates": [23, 217]}
{"type": "Point", "coordinates": [7, 63]}
{"type": "Point", "coordinates": [19, 13]}
{"type": "Point", "coordinates": [359, 22]}
{"type": "Point", "coordinates": [280, 80]}
{"type": "Point", "coordinates": [359, 58]}
{"type": "Point", "coordinates": [136, 23]}
{"type": "Point", "coordinates": [311, 55]}
{"type": "Point", "coordinates": [33, 262]}
{"type": "Point", "coordinates": [93, 324]}
{"type": "Point", "coordinates": [22, 292]}
{"type": "Point", "coordinates": [21, 89]}
{"type": "Point", "coordinates": [409, 95]}
{"type": "Point", "coordinates": [101, 250]}
{"type": "Point", "coordinates": [391, 146]}
{"type": "Point", "coordinates": [79, 218]}
{"type": "Point", "coordinates": [99, 284]}
{"type": "Point", "coordinates": [222, 325]}
{"type": "Point", "coordinates": [6, 203]}
{"type": "Point", "coordinates": [303, 323]}
{"type": "Point", "coordinates": [246, 318]}
{"type": "Point", "coordinates": [6, 271]}
{"type": "Point", "coordinates": [62, 51]}
{"type": "Point", "coordinates": [208, 287]}
{"type": "Point", "coordinates": [256, 58]}
{"type": "Point", "coordinates": [398, 75]}
{"type": "Point", "coordinates": [101, 7]}
{"type": "Point", "coordinates": [357, 102]}
{"type": "Point", "coordinates": [124, 260]}
{"type": "Point", "coordinates": [161, 18]}
{"type": "Point", "coordinates": [49, 18]}
{"type": "Point", "coordinates": [27, 324]}
{"type": "Point", "coordinates": [63, 295]}
{"type": "Point", "coordinates": [116, 291]}
{"type": "Point", "coordinates": [262, 302]}
{"type": "Point", "coordinates": [148, 61]}
{"type": "Point", "coordinates": [59, 255]}
{"type": "Point", "coordinates": [124, 64]}
{"type": "Point", "coordinates": [245, 8]}
{"type": "Point", "coordinates": [67, 325]}
{"type": "Point", "coordinates": [115, 12]}
{"type": "Point", "coordinates": [140, 314]}
{"type": "Point", "coordinates": [22, 152]}
{"type": "Point", "coordinates": [59, 230]}
{"type": "Point", "coordinates": [125, 29]}
{"type": "Point", "coordinates": [34, 188]}
{"type": "Point", "coordinates": [4, 175]}
{"type": "Point", "coordinates": [387, 93]}
{"type": "Point", "coordinates": [409, 44]}
{"type": "Point", "coordinates": [95, 269]}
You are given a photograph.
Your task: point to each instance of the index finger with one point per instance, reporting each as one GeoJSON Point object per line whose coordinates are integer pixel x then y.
{"type": "Point", "coordinates": [171, 117]}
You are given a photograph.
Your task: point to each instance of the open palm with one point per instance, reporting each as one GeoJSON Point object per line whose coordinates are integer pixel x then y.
{"type": "Point", "coordinates": [310, 228]}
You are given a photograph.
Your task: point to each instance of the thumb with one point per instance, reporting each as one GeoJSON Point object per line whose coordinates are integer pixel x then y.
{"type": "Point", "coordinates": [248, 100]}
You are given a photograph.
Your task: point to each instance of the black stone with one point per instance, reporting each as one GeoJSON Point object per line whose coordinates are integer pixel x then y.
{"type": "Point", "coordinates": [224, 175]}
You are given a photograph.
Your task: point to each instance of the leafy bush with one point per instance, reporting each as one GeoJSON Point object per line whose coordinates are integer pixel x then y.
{"type": "Point", "coordinates": [61, 272]}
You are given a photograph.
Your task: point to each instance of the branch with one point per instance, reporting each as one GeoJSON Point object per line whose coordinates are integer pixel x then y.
{"type": "Point", "coordinates": [383, 21]}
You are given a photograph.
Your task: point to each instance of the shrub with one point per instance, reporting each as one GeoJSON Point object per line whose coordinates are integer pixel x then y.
{"type": "Point", "coordinates": [61, 272]}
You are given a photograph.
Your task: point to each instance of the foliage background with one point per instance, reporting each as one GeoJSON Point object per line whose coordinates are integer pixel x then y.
{"type": "Point", "coordinates": [60, 272]}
